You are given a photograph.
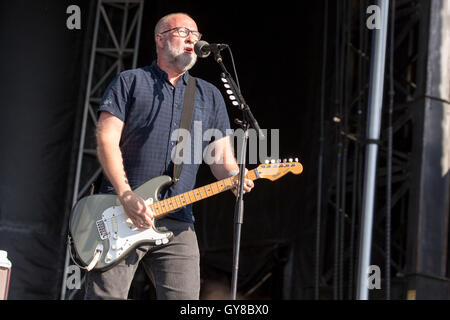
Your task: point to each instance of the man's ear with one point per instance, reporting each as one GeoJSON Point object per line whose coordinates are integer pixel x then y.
{"type": "Point", "coordinates": [159, 41]}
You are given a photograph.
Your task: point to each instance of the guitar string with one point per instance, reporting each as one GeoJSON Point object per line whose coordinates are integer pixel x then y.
{"type": "Point", "coordinates": [250, 175]}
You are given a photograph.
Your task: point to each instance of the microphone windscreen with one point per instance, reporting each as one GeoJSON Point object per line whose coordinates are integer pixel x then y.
{"type": "Point", "coordinates": [199, 51]}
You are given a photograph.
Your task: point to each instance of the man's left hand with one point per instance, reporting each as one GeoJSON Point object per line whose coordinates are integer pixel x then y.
{"type": "Point", "coordinates": [248, 185]}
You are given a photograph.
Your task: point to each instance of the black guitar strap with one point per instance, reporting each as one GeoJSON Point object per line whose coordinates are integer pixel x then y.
{"type": "Point", "coordinates": [186, 121]}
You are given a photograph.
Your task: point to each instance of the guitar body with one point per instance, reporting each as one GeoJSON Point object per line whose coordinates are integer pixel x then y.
{"type": "Point", "coordinates": [98, 224]}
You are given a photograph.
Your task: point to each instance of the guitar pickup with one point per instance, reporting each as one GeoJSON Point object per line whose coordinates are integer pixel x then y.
{"type": "Point", "coordinates": [102, 230]}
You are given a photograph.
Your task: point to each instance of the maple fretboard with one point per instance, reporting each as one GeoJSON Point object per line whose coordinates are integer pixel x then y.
{"type": "Point", "coordinates": [165, 206]}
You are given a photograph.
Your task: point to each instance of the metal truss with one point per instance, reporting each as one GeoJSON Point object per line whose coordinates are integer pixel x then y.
{"type": "Point", "coordinates": [344, 142]}
{"type": "Point", "coordinates": [115, 46]}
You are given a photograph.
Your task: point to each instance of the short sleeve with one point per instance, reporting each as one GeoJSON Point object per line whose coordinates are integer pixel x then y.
{"type": "Point", "coordinates": [115, 98]}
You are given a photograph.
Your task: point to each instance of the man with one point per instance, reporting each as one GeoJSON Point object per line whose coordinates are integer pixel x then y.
{"type": "Point", "coordinates": [138, 114]}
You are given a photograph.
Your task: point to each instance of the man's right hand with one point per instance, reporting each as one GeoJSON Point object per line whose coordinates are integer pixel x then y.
{"type": "Point", "coordinates": [136, 209]}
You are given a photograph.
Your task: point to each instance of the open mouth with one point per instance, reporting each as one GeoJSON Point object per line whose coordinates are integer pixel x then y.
{"type": "Point", "coordinates": [188, 49]}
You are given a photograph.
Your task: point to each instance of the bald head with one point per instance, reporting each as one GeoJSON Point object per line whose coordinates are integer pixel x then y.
{"type": "Point", "coordinates": [168, 21]}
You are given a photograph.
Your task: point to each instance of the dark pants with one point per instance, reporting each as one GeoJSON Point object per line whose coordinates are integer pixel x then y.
{"type": "Point", "coordinates": [174, 268]}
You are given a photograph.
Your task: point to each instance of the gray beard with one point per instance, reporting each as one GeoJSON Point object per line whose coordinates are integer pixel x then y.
{"type": "Point", "coordinates": [182, 61]}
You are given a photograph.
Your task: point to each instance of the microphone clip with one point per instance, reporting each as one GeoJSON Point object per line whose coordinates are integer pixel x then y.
{"type": "Point", "coordinates": [203, 49]}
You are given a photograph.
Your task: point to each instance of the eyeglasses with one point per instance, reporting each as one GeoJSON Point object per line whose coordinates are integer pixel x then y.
{"type": "Point", "coordinates": [184, 32]}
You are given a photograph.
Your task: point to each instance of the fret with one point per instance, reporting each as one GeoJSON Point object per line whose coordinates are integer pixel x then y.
{"type": "Point", "coordinates": [158, 213]}
{"type": "Point", "coordinates": [158, 205]}
{"type": "Point", "coordinates": [187, 200]}
{"type": "Point", "coordinates": [212, 189]}
{"type": "Point", "coordinates": [193, 192]}
{"type": "Point", "coordinates": [190, 199]}
{"type": "Point", "coordinates": [153, 208]}
{"type": "Point", "coordinates": [206, 189]}
{"type": "Point", "coordinates": [164, 205]}
{"type": "Point", "coordinates": [228, 182]}
{"type": "Point", "coordinates": [218, 186]}
{"type": "Point", "coordinates": [183, 199]}
{"type": "Point", "coordinates": [199, 194]}
{"type": "Point", "coordinates": [173, 202]}
{"type": "Point", "coordinates": [178, 202]}
{"type": "Point", "coordinates": [170, 204]}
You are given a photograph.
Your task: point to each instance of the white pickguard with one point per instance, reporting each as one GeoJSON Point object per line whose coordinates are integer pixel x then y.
{"type": "Point", "coordinates": [122, 234]}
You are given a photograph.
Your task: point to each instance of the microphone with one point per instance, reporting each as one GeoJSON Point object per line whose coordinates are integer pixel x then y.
{"type": "Point", "coordinates": [202, 48]}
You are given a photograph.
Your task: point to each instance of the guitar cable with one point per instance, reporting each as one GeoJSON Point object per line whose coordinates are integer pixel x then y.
{"type": "Point", "coordinates": [94, 261]}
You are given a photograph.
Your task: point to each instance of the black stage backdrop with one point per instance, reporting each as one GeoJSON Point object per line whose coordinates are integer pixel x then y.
{"type": "Point", "coordinates": [277, 49]}
{"type": "Point", "coordinates": [41, 99]}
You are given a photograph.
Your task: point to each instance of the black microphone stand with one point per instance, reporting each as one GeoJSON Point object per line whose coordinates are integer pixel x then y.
{"type": "Point", "coordinates": [247, 120]}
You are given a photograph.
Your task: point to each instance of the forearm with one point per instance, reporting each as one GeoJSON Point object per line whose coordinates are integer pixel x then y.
{"type": "Point", "coordinates": [110, 158]}
{"type": "Point", "coordinates": [224, 163]}
{"type": "Point", "coordinates": [222, 171]}
{"type": "Point", "coordinates": [225, 166]}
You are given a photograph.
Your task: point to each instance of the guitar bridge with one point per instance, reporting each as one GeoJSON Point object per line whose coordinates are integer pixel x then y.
{"type": "Point", "coordinates": [101, 228]}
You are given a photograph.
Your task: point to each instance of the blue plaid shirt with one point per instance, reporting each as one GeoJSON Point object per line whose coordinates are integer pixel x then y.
{"type": "Point", "coordinates": [150, 106]}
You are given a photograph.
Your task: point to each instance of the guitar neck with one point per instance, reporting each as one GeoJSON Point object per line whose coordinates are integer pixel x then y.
{"type": "Point", "coordinates": [163, 207]}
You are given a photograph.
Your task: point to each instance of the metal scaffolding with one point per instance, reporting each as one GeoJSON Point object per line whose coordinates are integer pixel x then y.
{"type": "Point", "coordinates": [115, 46]}
{"type": "Point", "coordinates": [400, 165]}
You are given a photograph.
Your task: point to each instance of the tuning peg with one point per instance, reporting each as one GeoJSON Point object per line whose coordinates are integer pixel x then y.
{"type": "Point", "coordinates": [296, 159]}
{"type": "Point", "coordinates": [266, 161]}
{"type": "Point", "coordinates": [279, 160]}
{"type": "Point", "coordinates": [284, 160]}
{"type": "Point", "coordinates": [272, 161]}
{"type": "Point", "coordinates": [291, 160]}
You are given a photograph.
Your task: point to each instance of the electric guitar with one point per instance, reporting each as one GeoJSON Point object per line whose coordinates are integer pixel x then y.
{"type": "Point", "coordinates": [102, 234]}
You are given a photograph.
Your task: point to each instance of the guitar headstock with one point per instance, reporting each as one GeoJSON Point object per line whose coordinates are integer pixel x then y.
{"type": "Point", "coordinates": [274, 170]}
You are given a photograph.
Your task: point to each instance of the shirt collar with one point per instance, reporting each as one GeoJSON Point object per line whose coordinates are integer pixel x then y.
{"type": "Point", "coordinates": [163, 75]}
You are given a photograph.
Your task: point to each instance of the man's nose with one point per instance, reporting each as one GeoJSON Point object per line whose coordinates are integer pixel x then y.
{"type": "Point", "coordinates": [191, 38]}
